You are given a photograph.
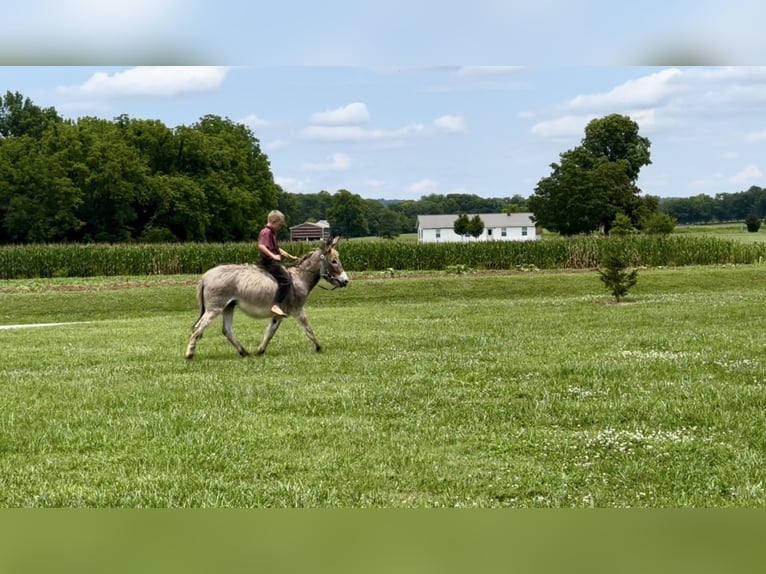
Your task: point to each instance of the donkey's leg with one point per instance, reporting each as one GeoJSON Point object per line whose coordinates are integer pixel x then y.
{"type": "Point", "coordinates": [304, 323]}
{"type": "Point", "coordinates": [198, 329]}
{"type": "Point", "coordinates": [228, 320]}
{"type": "Point", "coordinates": [270, 330]}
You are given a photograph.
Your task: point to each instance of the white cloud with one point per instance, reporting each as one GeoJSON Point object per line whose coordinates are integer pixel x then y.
{"type": "Point", "coordinates": [730, 155]}
{"type": "Point", "coordinates": [674, 98]}
{"type": "Point", "coordinates": [354, 133]}
{"type": "Point", "coordinates": [354, 114]}
{"type": "Point", "coordinates": [294, 185]}
{"type": "Point", "coordinates": [479, 78]}
{"type": "Point", "coordinates": [357, 133]}
{"type": "Point", "coordinates": [424, 186]}
{"type": "Point", "coordinates": [703, 184]}
{"type": "Point", "coordinates": [565, 127]}
{"type": "Point", "coordinates": [336, 162]}
{"type": "Point", "coordinates": [472, 72]}
{"type": "Point", "coordinates": [642, 92]}
{"type": "Point", "coordinates": [254, 122]}
{"type": "Point", "coordinates": [276, 145]}
{"type": "Point", "coordinates": [114, 13]}
{"type": "Point", "coordinates": [451, 124]}
{"type": "Point", "coordinates": [747, 174]}
{"type": "Point", "coordinates": [376, 183]}
{"type": "Point", "coordinates": [162, 81]}
{"type": "Point", "coordinates": [756, 136]}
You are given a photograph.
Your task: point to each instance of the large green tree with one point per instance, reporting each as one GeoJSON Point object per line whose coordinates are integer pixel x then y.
{"type": "Point", "coordinates": [227, 163]}
{"type": "Point", "coordinates": [348, 214]}
{"type": "Point", "coordinates": [19, 116]}
{"type": "Point", "coordinates": [113, 180]}
{"type": "Point", "coordinates": [595, 180]}
{"type": "Point", "coordinates": [39, 202]}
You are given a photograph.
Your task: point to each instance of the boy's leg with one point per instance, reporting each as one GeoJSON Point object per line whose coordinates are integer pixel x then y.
{"type": "Point", "coordinates": [283, 287]}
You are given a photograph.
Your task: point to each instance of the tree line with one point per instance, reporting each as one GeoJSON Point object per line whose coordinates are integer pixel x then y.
{"type": "Point", "coordinates": [137, 180]}
{"type": "Point", "coordinates": [94, 180]}
{"type": "Point", "coordinates": [723, 207]}
{"type": "Point", "coordinates": [127, 179]}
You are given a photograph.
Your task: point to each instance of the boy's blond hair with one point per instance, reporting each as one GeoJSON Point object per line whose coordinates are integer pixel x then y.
{"type": "Point", "coordinates": [276, 216]}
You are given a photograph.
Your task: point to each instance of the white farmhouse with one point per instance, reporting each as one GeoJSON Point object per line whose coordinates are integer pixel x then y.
{"type": "Point", "coordinates": [497, 227]}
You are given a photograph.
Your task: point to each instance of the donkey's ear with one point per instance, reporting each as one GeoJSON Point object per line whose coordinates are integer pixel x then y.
{"type": "Point", "coordinates": [334, 241]}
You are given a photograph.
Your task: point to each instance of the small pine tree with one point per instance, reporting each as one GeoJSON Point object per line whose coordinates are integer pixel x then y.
{"type": "Point", "coordinates": [615, 275]}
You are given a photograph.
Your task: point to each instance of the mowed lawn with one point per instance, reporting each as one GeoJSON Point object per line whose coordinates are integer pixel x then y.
{"type": "Point", "coordinates": [520, 390]}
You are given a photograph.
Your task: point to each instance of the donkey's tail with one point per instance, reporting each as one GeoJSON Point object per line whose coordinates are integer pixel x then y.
{"type": "Point", "coordinates": [200, 301]}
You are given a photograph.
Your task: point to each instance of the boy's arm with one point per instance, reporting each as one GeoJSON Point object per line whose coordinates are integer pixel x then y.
{"type": "Point", "coordinates": [267, 252]}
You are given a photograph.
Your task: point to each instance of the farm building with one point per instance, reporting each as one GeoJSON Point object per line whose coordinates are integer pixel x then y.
{"type": "Point", "coordinates": [497, 227]}
{"type": "Point", "coordinates": [309, 231]}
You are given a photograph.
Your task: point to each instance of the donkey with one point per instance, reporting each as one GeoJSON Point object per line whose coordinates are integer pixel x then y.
{"type": "Point", "coordinates": [224, 287]}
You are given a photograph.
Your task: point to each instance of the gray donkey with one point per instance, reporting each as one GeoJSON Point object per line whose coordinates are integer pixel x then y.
{"type": "Point", "coordinates": [224, 287]}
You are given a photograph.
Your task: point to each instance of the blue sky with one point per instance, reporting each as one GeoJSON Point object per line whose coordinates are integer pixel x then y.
{"type": "Point", "coordinates": [401, 99]}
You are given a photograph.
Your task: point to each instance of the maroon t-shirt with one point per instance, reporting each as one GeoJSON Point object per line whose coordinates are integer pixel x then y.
{"type": "Point", "coordinates": [268, 238]}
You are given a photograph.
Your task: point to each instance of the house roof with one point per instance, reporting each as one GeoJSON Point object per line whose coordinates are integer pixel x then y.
{"type": "Point", "coordinates": [321, 223]}
{"type": "Point", "coordinates": [492, 220]}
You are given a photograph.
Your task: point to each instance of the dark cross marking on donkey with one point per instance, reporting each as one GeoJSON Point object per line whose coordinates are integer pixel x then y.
{"type": "Point", "coordinates": [224, 287]}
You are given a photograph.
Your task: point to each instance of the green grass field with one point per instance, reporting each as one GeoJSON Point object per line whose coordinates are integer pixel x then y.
{"type": "Point", "coordinates": [521, 390]}
{"type": "Point", "coordinates": [732, 231]}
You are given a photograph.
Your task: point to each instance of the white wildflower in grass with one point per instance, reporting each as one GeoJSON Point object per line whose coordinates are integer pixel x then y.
{"type": "Point", "coordinates": [625, 441]}
{"type": "Point", "coordinates": [737, 364]}
{"type": "Point", "coordinates": [610, 442]}
{"type": "Point", "coordinates": [657, 355]}
{"type": "Point", "coordinates": [582, 393]}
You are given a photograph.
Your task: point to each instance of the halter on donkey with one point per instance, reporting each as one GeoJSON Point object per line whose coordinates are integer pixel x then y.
{"type": "Point", "coordinates": [224, 287]}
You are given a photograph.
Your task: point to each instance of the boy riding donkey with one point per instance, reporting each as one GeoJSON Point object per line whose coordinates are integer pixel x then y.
{"type": "Point", "coordinates": [271, 258]}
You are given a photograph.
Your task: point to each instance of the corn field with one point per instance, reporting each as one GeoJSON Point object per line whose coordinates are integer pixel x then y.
{"type": "Point", "coordinates": [74, 260]}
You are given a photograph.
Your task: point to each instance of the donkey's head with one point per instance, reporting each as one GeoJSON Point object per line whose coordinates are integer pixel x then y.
{"type": "Point", "coordinates": [332, 270]}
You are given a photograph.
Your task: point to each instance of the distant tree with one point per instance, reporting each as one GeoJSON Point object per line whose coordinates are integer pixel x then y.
{"type": "Point", "coordinates": [659, 224]}
{"type": "Point", "coordinates": [19, 116]}
{"type": "Point", "coordinates": [307, 206]}
{"type": "Point", "coordinates": [227, 163]}
{"type": "Point", "coordinates": [615, 137]}
{"type": "Point", "coordinates": [462, 225]}
{"type": "Point", "coordinates": [389, 225]}
{"type": "Point", "coordinates": [575, 197]}
{"type": "Point", "coordinates": [178, 208]}
{"type": "Point", "coordinates": [38, 200]}
{"type": "Point", "coordinates": [753, 223]}
{"type": "Point", "coordinates": [622, 225]}
{"type": "Point", "coordinates": [113, 182]}
{"type": "Point", "coordinates": [475, 227]}
{"type": "Point", "coordinates": [348, 214]}
{"type": "Point", "coordinates": [515, 205]}
{"type": "Point", "coordinates": [595, 180]}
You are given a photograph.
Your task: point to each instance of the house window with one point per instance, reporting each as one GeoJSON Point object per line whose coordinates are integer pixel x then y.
{"type": "Point", "coordinates": [523, 231]}
{"type": "Point", "coordinates": [503, 232]}
{"type": "Point", "coordinates": [438, 233]}
{"type": "Point", "coordinates": [489, 232]}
